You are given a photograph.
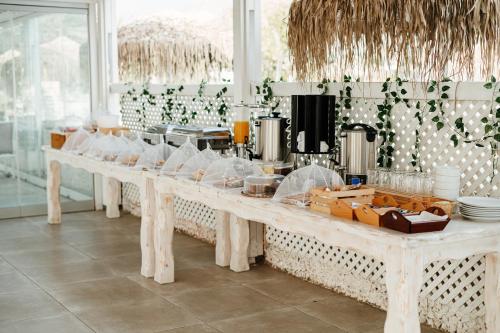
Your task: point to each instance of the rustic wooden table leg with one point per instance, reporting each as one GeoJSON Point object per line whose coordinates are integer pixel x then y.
{"type": "Point", "coordinates": [492, 292]}
{"type": "Point", "coordinates": [53, 192]}
{"type": "Point", "coordinates": [164, 233]}
{"type": "Point", "coordinates": [256, 243]}
{"type": "Point", "coordinates": [147, 228]}
{"type": "Point", "coordinates": [403, 278]}
{"type": "Point", "coordinates": [98, 192]}
{"type": "Point", "coordinates": [240, 236]}
{"type": "Point", "coordinates": [222, 239]}
{"type": "Point", "coordinates": [112, 193]}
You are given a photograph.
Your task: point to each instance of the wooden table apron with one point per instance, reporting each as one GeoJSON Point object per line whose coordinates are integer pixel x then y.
{"type": "Point", "coordinates": [405, 256]}
{"type": "Point", "coordinates": [113, 174]}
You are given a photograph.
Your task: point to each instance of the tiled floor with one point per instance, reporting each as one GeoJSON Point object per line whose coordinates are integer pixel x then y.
{"type": "Point", "coordinates": [83, 276]}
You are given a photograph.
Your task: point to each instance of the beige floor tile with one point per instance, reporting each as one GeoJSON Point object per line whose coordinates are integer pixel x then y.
{"type": "Point", "coordinates": [346, 313]}
{"type": "Point", "coordinates": [257, 273]}
{"type": "Point", "coordinates": [101, 293]}
{"type": "Point", "coordinates": [53, 277]}
{"type": "Point", "coordinates": [186, 280]}
{"type": "Point", "coordinates": [17, 228]}
{"type": "Point", "coordinates": [92, 236]}
{"type": "Point", "coordinates": [182, 241]}
{"type": "Point", "coordinates": [287, 320]}
{"type": "Point", "coordinates": [27, 305]}
{"type": "Point", "coordinates": [153, 316]}
{"type": "Point", "coordinates": [33, 243]}
{"type": "Point", "coordinates": [110, 249]}
{"type": "Point", "coordinates": [193, 329]}
{"type": "Point", "coordinates": [59, 324]}
{"type": "Point", "coordinates": [15, 282]}
{"type": "Point", "coordinates": [226, 302]}
{"type": "Point", "coordinates": [68, 226]}
{"type": "Point", "coordinates": [5, 267]}
{"type": "Point", "coordinates": [290, 290]}
{"type": "Point", "coordinates": [61, 255]}
{"type": "Point", "coordinates": [194, 256]}
{"type": "Point", "coordinates": [123, 265]}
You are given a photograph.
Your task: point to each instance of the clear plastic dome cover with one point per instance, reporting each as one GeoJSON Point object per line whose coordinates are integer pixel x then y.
{"type": "Point", "coordinates": [195, 167]}
{"type": "Point", "coordinates": [88, 143]}
{"type": "Point", "coordinates": [107, 147]}
{"type": "Point", "coordinates": [75, 140]}
{"type": "Point", "coordinates": [176, 161]}
{"type": "Point", "coordinates": [230, 172]}
{"type": "Point", "coordinates": [296, 186]}
{"type": "Point", "coordinates": [154, 157]}
{"type": "Point", "coordinates": [130, 156]}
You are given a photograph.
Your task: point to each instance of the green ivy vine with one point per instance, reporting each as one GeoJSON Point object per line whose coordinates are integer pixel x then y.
{"type": "Point", "coordinates": [394, 94]}
{"type": "Point", "coordinates": [171, 103]}
{"type": "Point", "coordinates": [267, 95]}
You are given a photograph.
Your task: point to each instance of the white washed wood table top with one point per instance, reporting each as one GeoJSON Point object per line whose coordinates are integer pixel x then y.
{"type": "Point", "coordinates": [322, 226]}
{"type": "Point", "coordinates": [288, 217]}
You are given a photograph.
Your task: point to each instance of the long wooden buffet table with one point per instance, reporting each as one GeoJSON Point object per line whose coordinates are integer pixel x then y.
{"type": "Point", "coordinates": [405, 256]}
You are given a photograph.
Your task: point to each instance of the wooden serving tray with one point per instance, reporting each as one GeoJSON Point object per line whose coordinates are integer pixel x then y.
{"type": "Point", "coordinates": [340, 208]}
{"type": "Point", "coordinates": [57, 139]}
{"type": "Point", "coordinates": [409, 201]}
{"type": "Point", "coordinates": [372, 216]}
{"type": "Point", "coordinates": [396, 221]}
{"type": "Point", "coordinates": [322, 200]}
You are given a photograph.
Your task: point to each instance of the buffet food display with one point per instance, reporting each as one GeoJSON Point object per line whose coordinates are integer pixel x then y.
{"type": "Point", "coordinates": [230, 173]}
{"type": "Point", "coordinates": [195, 167]}
{"type": "Point", "coordinates": [180, 156]}
{"type": "Point", "coordinates": [398, 200]}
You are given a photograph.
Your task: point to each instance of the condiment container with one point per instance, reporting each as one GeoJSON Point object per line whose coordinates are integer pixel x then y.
{"type": "Point", "coordinates": [262, 186]}
{"type": "Point", "coordinates": [283, 169]}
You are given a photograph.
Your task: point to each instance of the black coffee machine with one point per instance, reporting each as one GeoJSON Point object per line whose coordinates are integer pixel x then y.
{"type": "Point", "coordinates": [313, 124]}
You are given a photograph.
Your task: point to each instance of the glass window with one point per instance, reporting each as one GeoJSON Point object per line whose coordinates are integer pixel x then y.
{"type": "Point", "coordinates": [44, 84]}
{"type": "Point", "coordinates": [170, 41]}
{"type": "Point", "coordinates": [275, 55]}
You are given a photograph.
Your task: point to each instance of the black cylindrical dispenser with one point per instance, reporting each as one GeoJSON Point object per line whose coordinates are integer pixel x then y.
{"type": "Point", "coordinates": [313, 124]}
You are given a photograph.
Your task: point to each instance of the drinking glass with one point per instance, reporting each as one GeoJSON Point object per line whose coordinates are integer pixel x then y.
{"type": "Point", "coordinates": [408, 182]}
{"type": "Point", "coordinates": [383, 178]}
{"type": "Point", "coordinates": [427, 184]}
{"type": "Point", "coordinates": [395, 178]}
{"type": "Point", "coordinates": [372, 175]}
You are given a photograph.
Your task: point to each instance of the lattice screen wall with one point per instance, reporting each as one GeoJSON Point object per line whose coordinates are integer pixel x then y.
{"type": "Point", "coordinates": [452, 296]}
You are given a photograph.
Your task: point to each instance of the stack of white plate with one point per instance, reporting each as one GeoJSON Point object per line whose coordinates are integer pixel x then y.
{"type": "Point", "coordinates": [481, 209]}
{"type": "Point", "coordinates": [446, 182]}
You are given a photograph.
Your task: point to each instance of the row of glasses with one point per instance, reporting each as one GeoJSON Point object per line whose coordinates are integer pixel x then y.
{"type": "Point", "coordinates": [401, 181]}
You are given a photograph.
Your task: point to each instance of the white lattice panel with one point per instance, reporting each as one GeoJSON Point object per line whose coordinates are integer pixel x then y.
{"type": "Point", "coordinates": [452, 296]}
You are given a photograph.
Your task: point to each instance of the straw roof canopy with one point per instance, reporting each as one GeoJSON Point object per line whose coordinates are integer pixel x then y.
{"type": "Point", "coordinates": [167, 50]}
{"type": "Point", "coordinates": [430, 38]}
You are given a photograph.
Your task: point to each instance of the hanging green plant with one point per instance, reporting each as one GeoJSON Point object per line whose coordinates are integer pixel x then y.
{"type": "Point", "coordinates": [416, 160]}
{"type": "Point", "coordinates": [267, 95]}
{"type": "Point", "coordinates": [394, 94]}
{"type": "Point", "coordinates": [491, 128]}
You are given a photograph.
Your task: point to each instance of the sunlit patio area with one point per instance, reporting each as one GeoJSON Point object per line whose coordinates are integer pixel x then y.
{"type": "Point", "coordinates": [248, 166]}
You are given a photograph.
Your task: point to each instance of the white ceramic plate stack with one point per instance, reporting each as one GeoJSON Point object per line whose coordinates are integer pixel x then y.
{"type": "Point", "coordinates": [480, 209]}
{"type": "Point", "coordinates": [446, 182]}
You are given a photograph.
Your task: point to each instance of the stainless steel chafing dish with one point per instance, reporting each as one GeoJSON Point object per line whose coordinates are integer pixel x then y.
{"type": "Point", "coordinates": [219, 138]}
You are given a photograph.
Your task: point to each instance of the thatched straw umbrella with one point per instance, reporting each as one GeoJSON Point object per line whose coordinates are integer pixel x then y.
{"type": "Point", "coordinates": [430, 38]}
{"type": "Point", "coordinates": [167, 50]}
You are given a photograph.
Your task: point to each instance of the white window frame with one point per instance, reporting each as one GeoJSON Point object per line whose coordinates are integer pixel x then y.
{"type": "Point", "coordinates": [103, 53]}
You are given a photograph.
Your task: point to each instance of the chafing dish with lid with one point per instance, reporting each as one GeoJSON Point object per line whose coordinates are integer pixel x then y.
{"type": "Point", "coordinates": [219, 138]}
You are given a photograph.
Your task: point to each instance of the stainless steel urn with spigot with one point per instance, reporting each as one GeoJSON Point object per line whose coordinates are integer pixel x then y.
{"type": "Point", "coordinates": [358, 151]}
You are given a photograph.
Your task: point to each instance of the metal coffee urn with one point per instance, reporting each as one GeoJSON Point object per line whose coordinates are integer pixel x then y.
{"type": "Point", "coordinates": [270, 143]}
{"type": "Point", "coordinates": [358, 151]}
